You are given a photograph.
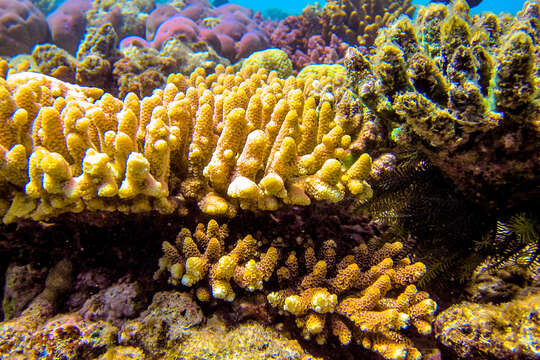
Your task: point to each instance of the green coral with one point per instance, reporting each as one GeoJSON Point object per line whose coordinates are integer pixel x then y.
{"type": "Point", "coordinates": [463, 91]}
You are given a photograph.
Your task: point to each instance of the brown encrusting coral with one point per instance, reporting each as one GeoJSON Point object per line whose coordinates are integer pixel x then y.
{"type": "Point", "coordinates": [486, 331]}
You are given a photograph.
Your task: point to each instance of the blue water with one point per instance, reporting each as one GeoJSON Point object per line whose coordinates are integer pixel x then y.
{"type": "Point", "coordinates": [296, 6]}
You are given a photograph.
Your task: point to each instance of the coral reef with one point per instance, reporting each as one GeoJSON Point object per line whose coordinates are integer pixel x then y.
{"type": "Point", "coordinates": [170, 327]}
{"type": "Point", "coordinates": [137, 112]}
{"type": "Point", "coordinates": [298, 35]}
{"type": "Point", "coordinates": [460, 90]}
{"type": "Point", "coordinates": [322, 35]}
{"type": "Point", "coordinates": [66, 151]}
{"type": "Point", "coordinates": [348, 298]}
{"type": "Point", "coordinates": [231, 30]}
{"type": "Point", "coordinates": [22, 26]}
{"type": "Point", "coordinates": [480, 331]}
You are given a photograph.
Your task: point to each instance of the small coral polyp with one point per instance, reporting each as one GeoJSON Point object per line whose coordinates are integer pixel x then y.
{"type": "Point", "coordinates": [349, 299]}
{"type": "Point", "coordinates": [225, 140]}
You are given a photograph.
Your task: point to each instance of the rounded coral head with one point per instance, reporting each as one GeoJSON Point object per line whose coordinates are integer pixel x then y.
{"type": "Point", "coordinates": [22, 25]}
{"type": "Point", "coordinates": [178, 25]}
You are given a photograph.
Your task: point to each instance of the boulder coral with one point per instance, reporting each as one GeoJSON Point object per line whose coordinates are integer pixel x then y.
{"type": "Point", "coordinates": [68, 24]}
{"type": "Point", "coordinates": [231, 30]}
{"type": "Point", "coordinates": [22, 25]}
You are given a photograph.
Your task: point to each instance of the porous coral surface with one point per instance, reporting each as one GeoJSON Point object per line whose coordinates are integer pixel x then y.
{"type": "Point", "coordinates": [479, 331]}
{"type": "Point", "coordinates": [226, 140]}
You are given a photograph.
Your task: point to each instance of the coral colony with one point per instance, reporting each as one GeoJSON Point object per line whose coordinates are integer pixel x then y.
{"type": "Point", "coordinates": [190, 180]}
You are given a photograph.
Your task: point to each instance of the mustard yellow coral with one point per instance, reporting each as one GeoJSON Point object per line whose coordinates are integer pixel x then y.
{"type": "Point", "coordinates": [367, 297]}
{"type": "Point", "coordinates": [270, 59]}
{"type": "Point", "coordinates": [214, 265]}
{"type": "Point", "coordinates": [228, 140]}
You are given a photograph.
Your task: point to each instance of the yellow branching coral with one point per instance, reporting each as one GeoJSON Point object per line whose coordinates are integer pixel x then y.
{"type": "Point", "coordinates": [227, 140]}
{"type": "Point", "coordinates": [187, 264]}
{"type": "Point", "coordinates": [367, 297]}
{"type": "Point", "coordinates": [349, 299]}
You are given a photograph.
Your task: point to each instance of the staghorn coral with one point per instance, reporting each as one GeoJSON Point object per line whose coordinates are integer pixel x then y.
{"type": "Point", "coordinates": [348, 298]}
{"type": "Point", "coordinates": [202, 255]}
{"type": "Point", "coordinates": [486, 331]}
{"type": "Point", "coordinates": [225, 140]}
{"type": "Point", "coordinates": [461, 90]}
{"type": "Point", "coordinates": [357, 21]}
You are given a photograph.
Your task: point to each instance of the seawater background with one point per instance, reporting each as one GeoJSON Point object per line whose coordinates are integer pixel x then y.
{"type": "Point", "coordinates": [296, 6]}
